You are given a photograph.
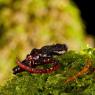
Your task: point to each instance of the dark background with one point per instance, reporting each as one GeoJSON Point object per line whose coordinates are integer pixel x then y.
{"type": "Point", "coordinates": [87, 8]}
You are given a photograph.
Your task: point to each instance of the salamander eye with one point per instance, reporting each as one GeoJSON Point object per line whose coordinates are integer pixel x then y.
{"type": "Point", "coordinates": [29, 57]}
{"type": "Point", "coordinates": [65, 47]}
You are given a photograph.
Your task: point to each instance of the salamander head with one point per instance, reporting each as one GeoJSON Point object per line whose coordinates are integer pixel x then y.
{"type": "Point", "coordinates": [59, 48]}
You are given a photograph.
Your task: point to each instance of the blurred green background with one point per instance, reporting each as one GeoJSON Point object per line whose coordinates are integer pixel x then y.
{"type": "Point", "coordinates": [25, 24]}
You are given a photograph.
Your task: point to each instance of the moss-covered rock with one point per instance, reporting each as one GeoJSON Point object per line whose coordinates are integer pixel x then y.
{"type": "Point", "coordinates": [75, 77]}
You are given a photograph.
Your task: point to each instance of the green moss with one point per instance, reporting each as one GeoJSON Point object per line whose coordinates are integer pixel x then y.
{"type": "Point", "coordinates": [55, 83]}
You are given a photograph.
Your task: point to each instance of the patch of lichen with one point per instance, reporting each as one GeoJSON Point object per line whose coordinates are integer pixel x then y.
{"type": "Point", "coordinates": [55, 83]}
